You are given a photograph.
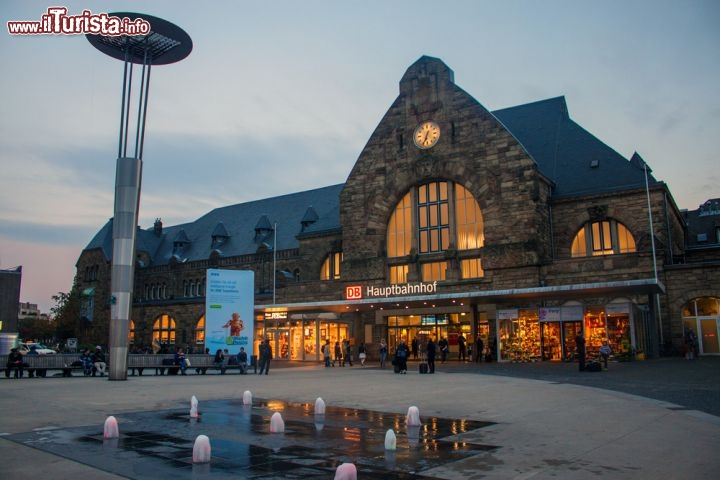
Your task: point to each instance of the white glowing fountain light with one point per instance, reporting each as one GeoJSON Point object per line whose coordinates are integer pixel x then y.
{"type": "Point", "coordinates": [201, 450]}
{"type": "Point", "coordinates": [277, 424]}
{"type": "Point", "coordinates": [346, 471]}
{"type": "Point", "coordinates": [110, 430]}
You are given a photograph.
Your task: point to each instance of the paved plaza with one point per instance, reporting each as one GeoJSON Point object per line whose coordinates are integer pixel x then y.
{"type": "Point", "coordinates": [637, 420]}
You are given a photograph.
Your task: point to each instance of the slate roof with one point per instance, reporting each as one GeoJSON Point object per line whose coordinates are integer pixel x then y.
{"type": "Point", "coordinates": [576, 161]}
{"type": "Point", "coordinates": [244, 225]}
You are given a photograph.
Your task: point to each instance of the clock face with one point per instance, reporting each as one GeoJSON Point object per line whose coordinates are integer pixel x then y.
{"type": "Point", "coordinates": [426, 135]}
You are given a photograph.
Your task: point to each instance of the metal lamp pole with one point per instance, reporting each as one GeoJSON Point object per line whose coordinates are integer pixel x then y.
{"type": "Point", "coordinates": [163, 44]}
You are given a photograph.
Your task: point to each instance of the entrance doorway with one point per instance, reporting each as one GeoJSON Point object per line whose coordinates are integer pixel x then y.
{"type": "Point", "coordinates": [280, 343]}
{"type": "Point", "coordinates": [570, 331]}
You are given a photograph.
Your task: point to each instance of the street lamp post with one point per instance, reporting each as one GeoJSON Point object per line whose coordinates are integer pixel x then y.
{"type": "Point", "coordinates": [164, 43]}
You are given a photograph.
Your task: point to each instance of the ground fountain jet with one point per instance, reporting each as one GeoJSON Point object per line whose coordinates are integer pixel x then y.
{"type": "Point", "coordinates": [110, 430]}
{"type": "Point", "coordinates": [194, 407]}
{"type": "Point", "coordinates": [412, 419]}
{"type": "Point", "coordinates": [390, 440]}
{"type": "Point", "coordinates": [319, 406]}
{"type": "Point", "coordinates": [201, 450]}
{"type": "Point", "coordinates": [277, 424]}
{"type": "Point", "coordinates": [346, 471]}
{"type": "Point", "coordinates": [247, 397]}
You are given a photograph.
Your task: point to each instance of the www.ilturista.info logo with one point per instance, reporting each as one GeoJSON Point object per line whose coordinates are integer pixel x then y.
{"type": "Point", "coordinates": [57, 22]}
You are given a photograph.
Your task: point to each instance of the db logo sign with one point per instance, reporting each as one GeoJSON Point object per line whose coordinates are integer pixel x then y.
{"type": "Point", "coordinates": [353, 292]}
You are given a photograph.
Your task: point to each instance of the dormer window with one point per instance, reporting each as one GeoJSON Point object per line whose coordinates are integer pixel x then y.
{"type": "Point", "coordinates": [263, 229]}
{"type": "Point", "coordinates": [219, 235]}
{"type": "Point", "coordinates": [309, 218]}
{"type": "Point", "coordinates": [180, 241]}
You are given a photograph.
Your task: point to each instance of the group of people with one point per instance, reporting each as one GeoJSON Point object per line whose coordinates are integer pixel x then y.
{"type": "Point", "coordinates": [341, 353]}
{"type": "Point", "coordinates": [93, 362]}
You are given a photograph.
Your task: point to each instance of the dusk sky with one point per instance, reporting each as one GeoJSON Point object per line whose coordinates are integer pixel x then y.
{"type": "Point", "coordinates": [281, 96]}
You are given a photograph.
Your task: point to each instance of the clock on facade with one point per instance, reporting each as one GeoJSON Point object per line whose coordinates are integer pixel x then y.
{"type": "Point", "coordinates": [426, 134]}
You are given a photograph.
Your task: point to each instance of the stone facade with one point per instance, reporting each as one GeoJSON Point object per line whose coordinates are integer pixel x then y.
{"type": "Point", "coordinates": [528, 230]}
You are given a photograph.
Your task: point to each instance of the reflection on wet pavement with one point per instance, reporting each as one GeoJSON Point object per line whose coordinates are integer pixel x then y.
{"type": "Point", "coordinates": [158, 444]}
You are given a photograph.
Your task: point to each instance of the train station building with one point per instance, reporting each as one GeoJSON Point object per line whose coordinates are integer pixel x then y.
{"type": "Point", "coordinates": [515, 226]}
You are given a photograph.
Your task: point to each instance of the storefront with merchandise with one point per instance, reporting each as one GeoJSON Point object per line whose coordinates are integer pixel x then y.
{"type": "Point", "coordinates": [529, 335]}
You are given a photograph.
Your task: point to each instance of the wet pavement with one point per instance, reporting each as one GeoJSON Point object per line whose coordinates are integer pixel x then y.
{"type": "Point", "coordinates": [159, 444]}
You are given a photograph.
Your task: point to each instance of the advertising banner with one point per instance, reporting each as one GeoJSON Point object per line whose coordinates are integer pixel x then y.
{"type": "Point", "coordinates": [229, 310]}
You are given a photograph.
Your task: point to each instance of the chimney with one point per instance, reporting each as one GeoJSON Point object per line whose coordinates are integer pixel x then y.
{"type": "Point", "coordinates": [157, 227]}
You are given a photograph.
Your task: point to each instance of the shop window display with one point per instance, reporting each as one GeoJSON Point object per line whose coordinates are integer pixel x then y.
{"type": "Point", "coordinates": [520, 337]}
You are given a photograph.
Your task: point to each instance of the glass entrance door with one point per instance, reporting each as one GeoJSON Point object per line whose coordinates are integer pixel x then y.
{"type": "Point", "coordinates": [280, 343]}
{"type": "Point", "coordinates": [551, 341]}
{"type": "Point", "coordinates": [709, 336]}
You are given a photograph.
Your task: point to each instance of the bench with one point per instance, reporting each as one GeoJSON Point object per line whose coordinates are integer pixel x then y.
{"type": "Point", "coordinates": [200, 363]}
{"type": "Point", "coordinates": [38, 365]}
{"type": "Point", "coordinates": [163, 363]}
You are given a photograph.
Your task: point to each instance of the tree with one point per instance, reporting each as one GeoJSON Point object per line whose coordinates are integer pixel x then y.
{"type": "Point", "coordinates": [66, 313]}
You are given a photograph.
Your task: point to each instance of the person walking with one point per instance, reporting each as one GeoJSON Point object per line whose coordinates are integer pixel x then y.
{"type": "Point", "coordinates": [181, 361]}
{"type": "Point", "coordinates": [479, 349]}
{"type": "Point", "coordinates": [265, 356]}
{"type": "Point", "coordinates": [431, 350]}
{"type": "Point", "coordinates": [362, 354]}
{"type": "Point", "coordinates": [326, 352]}
{"type": "Point", "coordinates": [690, 345]}
{"type": "Point", "coordinates": [401, 355]}
{"type": "Point", "coordinates": [580, 346]}
{"type": "Point", "coordinates": [338, 355]}
{"type": "Point", "coordinates": [462, 348]}
{"type": "Point", "coordinates": [383, 349]}
{"type": "Point", "coordinates": [414, 348]}
{"type": "Point", "coordinates": [444, 348]}
{"type": "Point", "coordinates": [605, 352]}
{"type": "Point", "coordinates": [347, 353]}
{"type": "Point", "coordinates": [99, 363]}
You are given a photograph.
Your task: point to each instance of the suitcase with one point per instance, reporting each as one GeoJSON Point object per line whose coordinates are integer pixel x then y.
{"type": "Point", "coordinates": [593, 367]}
{"type": "Point", "coordinates": [423, 367]}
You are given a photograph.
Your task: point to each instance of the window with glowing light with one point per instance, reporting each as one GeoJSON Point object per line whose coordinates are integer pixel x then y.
{"type": "Point", "coordinates": [432, 218]}
{"type": "Point", "coordinates": [164, 329]}
{"type": "Point", "coordinates": [607, 237]}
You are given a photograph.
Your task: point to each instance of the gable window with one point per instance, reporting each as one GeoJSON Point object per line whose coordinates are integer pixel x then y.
{"type": "Point", "coordinates": [607, 237]}
{"type": "Point", "coordinates": [330, 269]}
{"type": "Point", "coordinates": [434, 218]}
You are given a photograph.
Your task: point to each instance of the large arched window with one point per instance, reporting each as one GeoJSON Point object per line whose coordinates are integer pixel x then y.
{"type": "Point", "coordinates": [607, 237]}
{"type": "Point", "coordinates": [432, 218]}
{"type": "Point", "coordinates": [164, 329]}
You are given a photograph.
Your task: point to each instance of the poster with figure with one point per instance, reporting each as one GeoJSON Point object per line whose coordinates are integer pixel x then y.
{"type": "Point", "coordinates": [229, 309]}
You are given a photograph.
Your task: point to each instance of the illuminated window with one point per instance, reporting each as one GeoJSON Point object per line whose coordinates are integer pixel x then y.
{"type": "Point", "coordinates": [468, 219]}
{"type": "Point", "coordinates": [471, 268]}
{"type": "Point", "coordinates": [330, 269]}
{"type": "Point", "coordinates": [131, 332]}
{"type": "Point", "coordinates": [433, 271]}
{"type": "Point", "coordinates": [433, 217]}
{"type": "Point", "coordinates": [398, 274]}
{"type": "Point", "coordinates": [607, 237]}
{"type": "Point", "coordinates": [164, 329]}
{"type": "Point", "coordinates": [422, 222]}
{"type": "Point", "coordinates": [200, 330]}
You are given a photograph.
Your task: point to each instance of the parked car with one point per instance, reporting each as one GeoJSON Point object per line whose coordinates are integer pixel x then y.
{"type": "Point", "coordinates": [39, 347]}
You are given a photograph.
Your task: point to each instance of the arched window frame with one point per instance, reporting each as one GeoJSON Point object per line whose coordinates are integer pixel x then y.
{"type": "Point", "coordinates": [199, 333]}
{"type": "Point", "coordinates": [602, 237]}
{"type": "Point", "coordinates": [433, 218]}
{"type": "Point", "coordinates": [164, 329]}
